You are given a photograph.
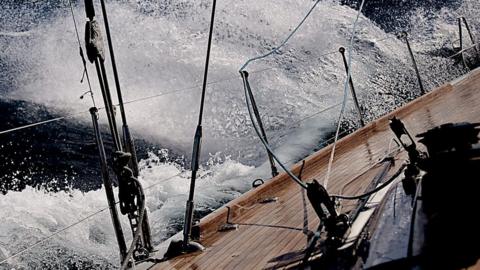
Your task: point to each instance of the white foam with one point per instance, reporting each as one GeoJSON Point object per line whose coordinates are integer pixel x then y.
{"type": "Point", "coordinates": [159, 53]}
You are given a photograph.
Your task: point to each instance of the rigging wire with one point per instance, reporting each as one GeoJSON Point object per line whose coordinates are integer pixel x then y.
{"type": "Point", "coordinates": [44, 239]}
{"type": "Point", "coordinates": [464, 50]}
{"type": "Point", "coordinates": [345, 96]}
{"type": "Point", "coordinates": [191, 88]}
{"type": "Point", "coordinates": [85, 71]}
{"type": "Point", "coordinates": [313, 115]}
{"type": "Point", "coordinates": [136, 237]}
{"type": "Point", "coordinates": [292, 128]}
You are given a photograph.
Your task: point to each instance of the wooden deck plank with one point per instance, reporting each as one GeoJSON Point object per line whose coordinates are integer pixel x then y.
{"type": "Point", "coordinates": [269, 218]}
{"type": "Point", "coordinates": [251, 247]}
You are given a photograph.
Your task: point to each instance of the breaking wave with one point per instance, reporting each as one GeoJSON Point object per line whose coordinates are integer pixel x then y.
{"type": "Point", "coordinates": [160, 47]}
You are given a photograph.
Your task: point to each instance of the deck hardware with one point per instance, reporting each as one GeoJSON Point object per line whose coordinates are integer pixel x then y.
{"type": "Point", "coordinates": [409, 145]}
{"type": "Point", "coordinates": [334, 224]}
{"type": "Point", "coordinates": [257, 182]}
{"type": "Point", "coordinates": [132, 200]}
{"type": "Point", "coordinates": [228, 227]}
{"type": "Point", "coordinates": [268, 200]}
{"type": "Point", "coordinates": [404, 35]}
{"type": "Point", "coordinates": [259, 121]}
{"type": "Point", "coordinates": [352, 89]}
{"type": "Point", "coordinates": [415, 156]}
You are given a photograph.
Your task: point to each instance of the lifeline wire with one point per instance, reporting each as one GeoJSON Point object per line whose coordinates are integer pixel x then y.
{"type": "Point", "coordinates": [267, 146]}
{"type": "Point", "coordinates": [127, 102]}
{"type": "Point", "coordinates": [284, 42]}
{"type": "Point", "coordinates": [71, 226]}
{"type": "Point", "coordinates": [323, 142]}
{"type": "Point", "coordinates": [291, 128]}
{"type": "Point", "coordinates": [52, 235]}
{"type": "Point", "coordinates": [41, 123]}
{"type": "Point", "coordinates": [345, 96]}
{"type": "Point", "coordinates": [191, 88]}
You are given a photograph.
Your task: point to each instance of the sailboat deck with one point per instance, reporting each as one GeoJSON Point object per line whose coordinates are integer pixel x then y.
{"type": "Point", "coordinates": [268, 230]}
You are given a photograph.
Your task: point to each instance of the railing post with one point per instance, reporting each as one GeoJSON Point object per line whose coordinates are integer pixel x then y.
{"type": "Point", "coordinates": [460, 40]}
{"type": "Point", "coordinates": [419, 78]}
{"type": "Point", "coordinates": [259, 121]}
{"type": "Point", "coordinates": [352, 88]}
{"type": "Point", "coordinates": [108, 186]}
{"type": "Point", "coordinates": [472, 39]}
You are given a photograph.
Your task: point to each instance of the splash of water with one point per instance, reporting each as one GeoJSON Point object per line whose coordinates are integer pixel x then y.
{"type": "Point", "coordinates": [160, 48]}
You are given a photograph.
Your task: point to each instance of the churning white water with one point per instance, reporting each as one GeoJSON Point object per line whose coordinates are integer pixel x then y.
{"type": "Point", "coordinates": [160, 48]}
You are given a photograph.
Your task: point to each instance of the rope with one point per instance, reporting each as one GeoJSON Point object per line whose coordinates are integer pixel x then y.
{"type": "Point", "coordinates": [375, 190]}
{"type": "Point", "coordinates": [73, 225]}
{"type": "Point", "coordinates": [388, 156]}
{"type": "Point", "coordinates": [85, 71]}
{"type": "Point", "coordinates": [135, 239]}
{"type": "Point", "coordinates": [345, 95]}
{"type": "Point", "coordinates": [284, 42]}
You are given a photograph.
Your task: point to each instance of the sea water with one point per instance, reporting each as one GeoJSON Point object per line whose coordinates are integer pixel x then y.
{"type": "Point", "coordinates": [160, 47]}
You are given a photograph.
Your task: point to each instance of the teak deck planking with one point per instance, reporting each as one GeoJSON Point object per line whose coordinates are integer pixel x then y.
{"type": "Point", "coordinates": [356, 164]}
